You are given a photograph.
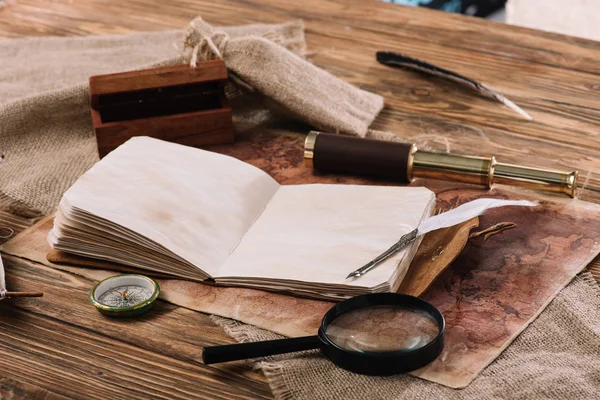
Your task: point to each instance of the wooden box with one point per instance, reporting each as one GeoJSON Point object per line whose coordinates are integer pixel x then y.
{"type": "Point", "coordinates": [178, 104]}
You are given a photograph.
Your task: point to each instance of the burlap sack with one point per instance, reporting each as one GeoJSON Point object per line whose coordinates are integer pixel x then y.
{"type": "Point", "coordinates": [46, 135]}
{"type": "Point", "coordinates": [291, 83]}
{"type": "Point", "coordinates": [556, 357]}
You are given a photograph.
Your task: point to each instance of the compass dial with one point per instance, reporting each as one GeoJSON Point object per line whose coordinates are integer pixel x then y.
{"type": "Point", "coordinates": [125, 296]}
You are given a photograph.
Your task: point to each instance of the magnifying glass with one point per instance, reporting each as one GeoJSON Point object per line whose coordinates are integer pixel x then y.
{"type": "Point", "coordinates": [372, 334]}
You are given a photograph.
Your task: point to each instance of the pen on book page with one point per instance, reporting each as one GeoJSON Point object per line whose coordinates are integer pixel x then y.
{"type": "Point", "coordinates": [444, 220]}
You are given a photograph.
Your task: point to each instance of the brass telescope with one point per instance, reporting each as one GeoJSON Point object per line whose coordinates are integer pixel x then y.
{"type": "Point", "coordinates": [330, 153]}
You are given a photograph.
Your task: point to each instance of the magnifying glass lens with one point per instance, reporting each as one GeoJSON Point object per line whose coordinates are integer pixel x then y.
{"type": "Point", "coordinates": [381, 328]}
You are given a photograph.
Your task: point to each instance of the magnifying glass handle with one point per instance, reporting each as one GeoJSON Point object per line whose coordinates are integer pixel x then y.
{"type": "Point", "coordinates": [233, 352]}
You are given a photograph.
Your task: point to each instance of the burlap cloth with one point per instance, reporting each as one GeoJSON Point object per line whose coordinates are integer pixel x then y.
{"type": "Point", "coordinates": [557, 356]}
{"type": "Point", "coordinates": [46, 134]}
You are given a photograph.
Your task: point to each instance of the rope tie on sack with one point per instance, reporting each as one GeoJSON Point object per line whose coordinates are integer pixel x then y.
{"type": "Point", "coordinates": [207, 44]}
{"type": "Point", "coordinates": [210, 45]}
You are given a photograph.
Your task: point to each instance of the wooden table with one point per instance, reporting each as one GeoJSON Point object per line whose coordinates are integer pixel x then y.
{"type": "Point", "coordinates": [59, 345]}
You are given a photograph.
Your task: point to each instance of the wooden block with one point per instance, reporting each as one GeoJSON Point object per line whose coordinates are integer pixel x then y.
{"type": "Point", "coordinates": [178, 104]}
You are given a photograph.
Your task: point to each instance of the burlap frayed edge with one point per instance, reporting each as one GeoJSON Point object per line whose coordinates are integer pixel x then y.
{"type": "Point", "coordinates": [232, 327]}
{"type": "Point", "coordinates": [273, 372]}
{"type": "Point", "coordinates": [588, 278]}
{"type": "Point", "coordinates": [274, 375]}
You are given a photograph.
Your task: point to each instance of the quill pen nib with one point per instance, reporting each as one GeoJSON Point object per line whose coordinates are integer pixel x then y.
{"type": "Point", "coordinates": [404, 241]}
{"type": "Point", "coordinates": [515, 108]}
{"type": "Point", "coordinates": [354, 274]}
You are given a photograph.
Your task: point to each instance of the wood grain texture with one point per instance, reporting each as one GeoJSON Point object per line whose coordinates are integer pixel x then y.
{"type": "Point", "coordinates": [553, 77]}
{"type": "Point", "coordinates": [14, 389]}
{"type": "Point", "coordinates": [12, 225]}
{"type": "Point", "coordinates": [61, 344]}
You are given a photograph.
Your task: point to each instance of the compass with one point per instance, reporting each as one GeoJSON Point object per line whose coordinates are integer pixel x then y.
{"type": "Point", "coordinates": [125, 295]}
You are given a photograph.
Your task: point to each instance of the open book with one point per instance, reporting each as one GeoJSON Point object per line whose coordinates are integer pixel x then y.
{"type": "Point", "coordinates": [198, 215]}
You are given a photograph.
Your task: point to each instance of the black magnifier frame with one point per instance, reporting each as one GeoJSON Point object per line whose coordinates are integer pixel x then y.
{"type": "Point", "coordinates": [361, 362]}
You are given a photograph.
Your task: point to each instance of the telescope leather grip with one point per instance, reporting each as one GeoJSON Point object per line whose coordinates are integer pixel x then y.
{"type": "Point", "coordinates": [351, 155]}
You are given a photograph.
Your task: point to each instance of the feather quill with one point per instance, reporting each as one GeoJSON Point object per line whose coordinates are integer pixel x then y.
{"type": "Point", "coordinates": [401, 61]}
{"type": "Point", "coordinates": [465, 212]}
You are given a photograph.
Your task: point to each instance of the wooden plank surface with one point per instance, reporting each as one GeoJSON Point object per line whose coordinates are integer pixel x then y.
{"type": "Point", "coordinates": [60, 343]}
{"type": "Point", "coordinates": [12, 225]}
{"type": "Point", "coordinates": [553, 77]}
{"type": "Point", "coordinates": [58, 346]}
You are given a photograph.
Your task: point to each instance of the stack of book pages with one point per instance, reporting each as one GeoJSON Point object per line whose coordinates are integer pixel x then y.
{"type": "Point", "coordinates": [203, 216]}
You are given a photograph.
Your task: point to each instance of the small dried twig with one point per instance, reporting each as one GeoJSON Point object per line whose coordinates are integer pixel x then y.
{"type": "Point", "coordinates": [494, 230]}
{"type": "Point", "coordinates": [23, 294]}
